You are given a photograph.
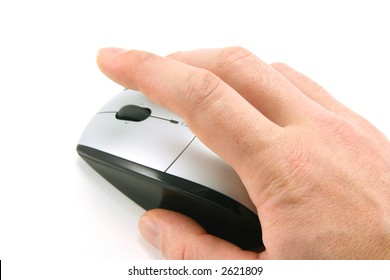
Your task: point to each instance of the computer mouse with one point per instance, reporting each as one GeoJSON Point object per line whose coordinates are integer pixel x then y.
{"type": "Point", "coordinates": [151, 156]}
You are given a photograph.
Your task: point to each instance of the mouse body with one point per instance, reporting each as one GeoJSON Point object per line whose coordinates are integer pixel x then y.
{"type": "Point", "coordinates": [151, 156]}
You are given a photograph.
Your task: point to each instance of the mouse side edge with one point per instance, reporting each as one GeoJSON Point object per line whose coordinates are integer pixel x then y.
{"type": "Point", "coordinates": [218, 214]}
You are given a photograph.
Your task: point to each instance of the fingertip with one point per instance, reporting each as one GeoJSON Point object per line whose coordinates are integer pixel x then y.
{"type": "Point", "coordinates": [112, 62]}
{"type": "Point", "coordinates": [104, 59]}
{"type": "Point", "coordinates": [105, 55]}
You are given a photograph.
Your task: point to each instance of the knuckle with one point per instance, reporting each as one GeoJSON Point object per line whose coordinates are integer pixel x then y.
{"type": "Point", "coordinates": [201, 89]}
{"type": "Point", "coordinates": [290, 73]}
{"type": "Point", "coordinates": [299, 160]}
{"type": "Point", "coordinates": [295, 156]}
{"type": "Point", "coordinates": [338, 129]}
{"type": "Point", "coordinates": [177, 253]}
{"type": "Point", "coordinates": [235, 57]}
{"type": "Point", "coordinates": [348, 139]}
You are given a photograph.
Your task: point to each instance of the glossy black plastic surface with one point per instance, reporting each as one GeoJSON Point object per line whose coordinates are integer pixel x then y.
{"type": "Point", "coordinates": [217, 213]}
{"type": "Point", "coordinates": [133, 113]}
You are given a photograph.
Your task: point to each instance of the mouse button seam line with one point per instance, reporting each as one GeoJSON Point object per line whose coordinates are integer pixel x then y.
{"type": "Point", "coordinates": [164, 119]}
{"type": "Point", "coordinates": [160, 118]}
{"type": "Point", "coordinates": [185, 148]}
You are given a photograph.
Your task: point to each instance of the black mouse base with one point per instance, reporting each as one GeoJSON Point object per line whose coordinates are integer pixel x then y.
{"type": "Point", "coordinates": [216, 213]}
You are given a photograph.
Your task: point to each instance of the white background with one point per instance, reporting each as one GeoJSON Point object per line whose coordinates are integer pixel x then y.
{"type": "Point", "coordinates": [52, 205]}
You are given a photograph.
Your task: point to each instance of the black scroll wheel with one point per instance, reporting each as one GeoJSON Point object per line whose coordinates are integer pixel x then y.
{"type": "Point", "coordinates": [133, 113]}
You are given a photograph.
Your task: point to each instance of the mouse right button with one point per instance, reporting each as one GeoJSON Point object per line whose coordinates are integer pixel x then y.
{"type": "Point", "coordinates": [201, 165]}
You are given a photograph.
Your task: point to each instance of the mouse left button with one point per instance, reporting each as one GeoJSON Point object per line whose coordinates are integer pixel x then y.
{"type": "Point", "coordinates": [133, 113]}
{"type": "Point", "coordinates": [149, 143]}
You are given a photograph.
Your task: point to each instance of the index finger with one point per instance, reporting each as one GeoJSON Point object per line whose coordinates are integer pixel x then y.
{"type": "Point", "coordinates": [215, 112]}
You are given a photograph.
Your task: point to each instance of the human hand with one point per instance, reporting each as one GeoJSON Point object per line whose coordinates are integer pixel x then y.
{"type": "Point", "coordinates": [318, 173]}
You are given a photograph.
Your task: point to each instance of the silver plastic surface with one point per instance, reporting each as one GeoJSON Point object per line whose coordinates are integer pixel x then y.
{"type": "Point", "coordinates": [127, 97]}
{"type": "Point", "coordinates": [158, 143]}
{"type": "Point", "coordinates": [153, 142]}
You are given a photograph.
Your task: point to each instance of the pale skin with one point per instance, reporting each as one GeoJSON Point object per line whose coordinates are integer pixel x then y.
{"type": "Point", "coordinates": [318, 173]}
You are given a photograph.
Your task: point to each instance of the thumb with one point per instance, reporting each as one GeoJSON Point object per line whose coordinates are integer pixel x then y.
{"type": "Point", "coordinates": [179, 237]}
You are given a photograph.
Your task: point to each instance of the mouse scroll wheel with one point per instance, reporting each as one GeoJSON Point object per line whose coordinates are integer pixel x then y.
{"type": "Point", "coordinates": [133, 113]}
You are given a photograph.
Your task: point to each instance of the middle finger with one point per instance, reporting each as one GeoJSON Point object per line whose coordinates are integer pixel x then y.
{"type": "Point", "coordinates": [259, 83]}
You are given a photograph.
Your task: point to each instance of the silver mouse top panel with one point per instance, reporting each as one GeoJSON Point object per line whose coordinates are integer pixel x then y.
{"type": "Point", "coordinates": [149, 143]}
{"type": "Point", "coordinates": [162, 142]}
{"type": "Point", "coordinates": [154, 142]}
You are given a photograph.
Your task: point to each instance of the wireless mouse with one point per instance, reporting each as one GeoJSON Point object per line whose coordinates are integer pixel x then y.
{"type": "Point", "coordinates": [151, 156]}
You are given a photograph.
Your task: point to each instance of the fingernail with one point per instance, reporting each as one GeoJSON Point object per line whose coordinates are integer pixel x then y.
{"type": "Point", "coordinates": [110, 52]}
{"type": "Point", "coordinates": [150, 230]}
